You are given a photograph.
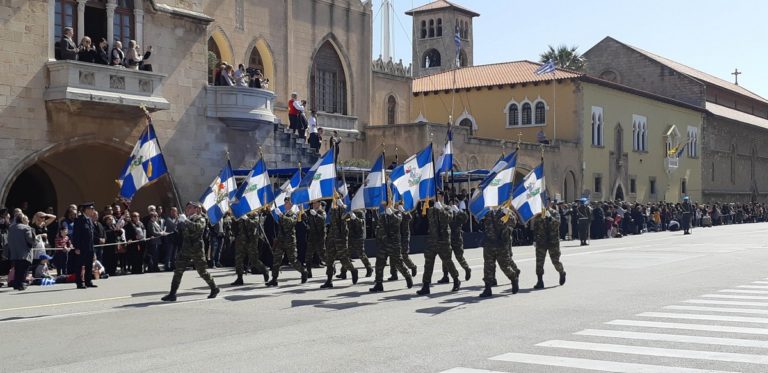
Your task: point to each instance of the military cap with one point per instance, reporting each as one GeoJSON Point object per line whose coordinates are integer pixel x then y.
{"type": "Point", "coordinates": [86, 205]}
{"type": "Point", "coordinates": [194, 203]}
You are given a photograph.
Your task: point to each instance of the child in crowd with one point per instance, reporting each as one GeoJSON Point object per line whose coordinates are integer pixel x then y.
{"type": "Point", "coordinates": [98, 269]}
{"type": "Point", "coordinates": [42, 271]}
{"type": "Point", "coordinates": [63, 246]}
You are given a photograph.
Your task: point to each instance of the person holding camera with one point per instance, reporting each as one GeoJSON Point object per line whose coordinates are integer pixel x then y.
{"type": "Point", "coordinates": [86, 52]}
{"type": "Point", "coordinates": [241, 79]}
{"type": "Point", "coordinates": [134, 57]}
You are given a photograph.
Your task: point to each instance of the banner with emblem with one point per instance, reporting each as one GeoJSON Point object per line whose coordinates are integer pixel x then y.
{"type": "Point", "coordinates": [319, 182]}
{"type": "Point", "coordinates": [284, 192]}
{"type": "Point", "coordinates": [255, 193]}
{"type": "Point", "coordinates": [496, 189]}
{"type": "Point", "coordinates": [374, 189]}
{"type": "Point", "coordinates": [145, 164]}
{"type": "Point", "coordinates": [216, 198]}
{"type": "Point", "coordinates": [528, 197]}
{"type": "Point", "coordinates": [414, 180]}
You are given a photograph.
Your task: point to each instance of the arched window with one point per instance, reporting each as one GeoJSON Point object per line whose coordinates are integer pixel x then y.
{"type": "Point", "coordinates": [391, 110]}
{"type": "Point", "coordinates": [463, 58]}
{"type": "Point", "coordinates": [66, 16]}
{"type": "Point", "coordinates": [526, 117]}
{"type": "Point", "coordinates": [439, 27]}
{"type": "Point", "coordinates": [513, 113]}
{"type": "Point", "coordinates": [431, 28]}
{"type": "Point", "coordinates": [600, 128]}
{"type": "Point", "coordinates": [644, 137]}
{"type": "Point", "coordinates": [466, 122]}
{"type": "Point", "coordinates": [431, 58]}
{"type": "Point", "coordinates": [539, 117]}
{"type": "Point", "coordinates": [214, 58]}
{"type": "Point", "coordinates": [594, 127]}
{"type": "Point", "coordinates": [635, 136]}
{"type": "Point", "coordinates": [123, 22]}
{"type": "Point", "coordinates": [328, 83]}
{"type": "Point", "coordinates": [423, 29]}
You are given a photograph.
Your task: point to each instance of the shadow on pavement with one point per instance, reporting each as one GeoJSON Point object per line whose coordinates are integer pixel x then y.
{"type": "Point", "coordinates": [310, 302]}
{"type": "Point", "coordinates": [237, 298]}
{"type": "Point", "coordinates": [343, 306]}
{"type": "Point", "coordinates": [434, 310]}
{"type": "Point", "coordinates": [148, 294]}
{"type": "Point", "coordinates": [14, 318]}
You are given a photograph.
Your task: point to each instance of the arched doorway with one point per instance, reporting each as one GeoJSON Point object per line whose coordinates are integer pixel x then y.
{"type": "Point", "coordinates": [569, 187]}
{"type": "Point", "coordinates": [219, 50]}
{"type": "Point", "coordinates": [328, 81]}
{"type": "Point", "coordinates": [619, 195]}
{"type": "Point", "coordinates": [391, 110]}
{"type": "Point", "coordinates": [431, 58]}
{"type": "Point", "coordinates": [214, 58]}
{"type": "Point", "coordinates": [78, 172]}
{"type": "Point", "coordinates": [260, 57]}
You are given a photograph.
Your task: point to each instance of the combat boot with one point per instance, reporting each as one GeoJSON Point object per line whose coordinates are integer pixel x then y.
{"type": "Point", "coordinates": [409, 282]}
{"type": "Point", "coordinates": [562, 278]}
{"type": "Point", "coordinates": [214, 292]}
{"type": "Point", "coordinates": [309, 271]}
{"type": "Point", "coordinates": [342, 275]}
{"type": "Point", "coordinates": [424, 289]}
{"type": "Point", "coordinates": [368, 271]}
{"type": "Point", "coordinates": [494, 282]}
{"type": "Point", "coordinates": [468, 275]}
{"type": "Point", "coordinates": [273, 282]}
{"type": "Point", "coordinates": [239, 281]}
{"type": "Point", "coordinates": [540, 283]}
{"type": "Point", "coordinates": [444, 280]}
{"type": "Point", "coordinates": [516, 285]}
{"type": "Point", "coordinates": [354, 276]}
{"type": "Point", "coordinates": [304, 278]}
{"type": "Point", "coordinates": [266, 276]}
{"type": "Point", "coordinates": [377, 287]}
{"type": "Point", "coordinates": [413, 271]}
{"type": "Point", "coordinates": [393, 277]}
{"type": "Point", "coordinates": [487, 292]}
{"type": "Point", "coordinates": [328, 283]}
{"type": "Point", "coordinates": [171, 297]}
{"type": "Point", "coordinates": [456, 284]}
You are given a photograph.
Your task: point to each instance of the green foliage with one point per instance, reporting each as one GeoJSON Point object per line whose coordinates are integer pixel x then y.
{"type": "Point", "coordinates": [565, 57]}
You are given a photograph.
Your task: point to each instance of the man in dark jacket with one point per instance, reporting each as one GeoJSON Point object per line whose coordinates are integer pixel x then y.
{"type": "Point", "coordinates": [21, 240]}
{"type": "Point", "coordinates": [82, 240]}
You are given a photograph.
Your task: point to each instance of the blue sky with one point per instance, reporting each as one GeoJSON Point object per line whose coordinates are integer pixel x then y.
{"type": "Point", "coordinates": [709, 35]}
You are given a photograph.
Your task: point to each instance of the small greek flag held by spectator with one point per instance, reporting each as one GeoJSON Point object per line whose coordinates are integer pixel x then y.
{"type": "Point", "coordinates": [319, 183]}
{"type": "Point", "coordinates": [528, 197]}
{"type": "Point", "coordinates": [445, 161]}
{"type": "Point", "coordinates": [285, 191]}
{"type": "Point", "coordinates": [374, 190]}
{"type": "Point", "coordinates": [255, 193]}
{"type": "Point", "coordinates": [495, 193]}
{"type": "Point", "coordinates": [145, 164]}
{"type": "Point", "coordinates": [216, 198]}
{"type": "Point", "coordinates": [548, 67]}
{"type": "Point", "coordinates": [414, 180]}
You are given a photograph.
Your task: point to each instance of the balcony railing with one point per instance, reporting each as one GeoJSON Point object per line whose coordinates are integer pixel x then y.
{"type": "Point", "coordinates": [81, 81]}
{"type": "Point", "coordinates": [241, 108]}
{"type": "Point", "coordinates": [336, 121]}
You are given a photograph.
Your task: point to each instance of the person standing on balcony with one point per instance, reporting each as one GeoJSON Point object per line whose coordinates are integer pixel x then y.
{"type": "Point", "coordinates": [295, 109]}
{"type": "Point", "coordinates": [314, 138]}
{"type": "Point", "coordinates": [68, 49]}
{"type": "Point", "coordinates": [86, 52]}
{"type": "Point", "coordinates": [241, 78]}
{"type": "Point", "coordinates": [117, 54]}
{"type": "Point", "coordinates": [133, 57]}
{"type": "Point", "coordinates": [102, 53]}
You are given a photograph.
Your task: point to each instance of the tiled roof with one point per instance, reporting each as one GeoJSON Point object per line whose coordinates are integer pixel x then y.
{"type": "Point", "coordinates": [739, 116]}
{"type": "Point", "coordinates": [699, 75]}
{"type": "Point", "coordinates": [516, 72]}
{"type": "Point", "coordinates": [440, 4]}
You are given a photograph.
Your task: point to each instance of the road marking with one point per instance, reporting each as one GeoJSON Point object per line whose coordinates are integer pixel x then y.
{"type": "Point", "coordinates": [728, 296]}
{"type": "Point", "coordinates": [655, 351]}
{"type": "Point", "coordinates": [692, 316]}
{"type": "Point", "coordinates": [753, 286]}
{"type": "Point", "coordinates": [719, 309]}
{"type": "Point", "coordinates": [760, 282]}
{"type": "Point", "coordinates": [740, 291]}
{"type": "Point", "coordinates": [726, 302]}
{"type": "Point", "coordinates": [683, 326]}
{"type": "Point", "coordinates": [602, 365]}
{"type": "Point", "coordinates": [469, 370]}
{"type": "Point", "coordinates": [64, 304]}
{"type": "Point", "coordinates": [675, 338]}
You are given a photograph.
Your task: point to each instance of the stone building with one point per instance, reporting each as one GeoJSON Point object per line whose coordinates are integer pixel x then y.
{"type": "Point", "coordinates": [735, 124]}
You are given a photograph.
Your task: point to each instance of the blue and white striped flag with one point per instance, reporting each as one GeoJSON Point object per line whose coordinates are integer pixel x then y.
{"type": "Point", "coordinates": [285, 191]}
{"type": "Point", "coordinates": [145, 164]}
{"type": "Point", "coordinates": [255, 193]}
{"type": "Point", "coordinates": [414, 180]}
{"type": "Point", "coordinates": [528, 197]}
{"type": "Point", "coordinates": [216, 198]}
{"type": "Point", "coordinates": [444, 163]}
{"type": "Point", "coordinates": [374, 189]}
{"type": "Point", "coordinates": [495, 192]}
{"type": "Point", "coordinates": [457, 41]}
{"type": "Point", "coordinates": [319, 183]}
{"type": "Point", "coordinates": [548, 67]}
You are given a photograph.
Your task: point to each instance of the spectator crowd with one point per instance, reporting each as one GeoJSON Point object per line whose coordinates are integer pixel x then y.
{"type": "Point", "coordinates": [86, 51]}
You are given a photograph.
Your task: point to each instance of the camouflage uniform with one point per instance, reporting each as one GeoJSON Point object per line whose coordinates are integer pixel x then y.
{"type": "Point", "coordinates": [585, 214]}
{"type": "Point", "coordinates": [686, 217]}
{"type": "Point", "coordinates": [546, 231]}
{"type": "Point", "coordinates": [286, 245]}
{"type": "Point", "coordinates": [357, 238]}
{"type": "Point", "coordinates": [497, 236]}
{"type": "Point", "coordinates": [316, 239]}
{"type": "Point", "coordinates": [388, 240]}
{"type": "Point", "coordinates": [457, 241]}
{"type": "Point", "coordinates": [192, 251]}
{"type": "Point", "coordinates": [336, 244]}
{"type": "Point", "coordinates": [405, 243]}
{"type": "Point", "coordinates": [438, 244]}
{"type": "Point", "coordinates": [248, 243]}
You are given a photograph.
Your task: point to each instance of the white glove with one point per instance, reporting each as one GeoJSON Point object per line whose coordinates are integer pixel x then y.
{"type": "Point", "coordinates": [340, 203]}
{"type": "Point", "coordinates": [352, 216]}
{"type": "Point", "coordinates": [506, 211]}
{"type": "Point", "coordinates": [455, 208]}
{"type": "Point", "coordinates": [401, 208]}
{"type": "Point", "coordinates": [389, 211]}
{"type": "Point", "coordinates": [182, 218]}
{"type": "Point", "coordinates": [438, 205]}
{"type": "Point", "coordinates": [313, 212]}
{"type": "Point", "coordinates": [279, 213]}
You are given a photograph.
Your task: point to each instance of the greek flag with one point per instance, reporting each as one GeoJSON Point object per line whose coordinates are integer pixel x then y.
{"type": "Point", "coordinates": [319, 182]}
{"type": "Point", "coordinates": [145, 164]}
{"type": "Point", "coordinates": [496, 192]}
{"type": "Point", "coordinates": [528, 197]}
{"type": "Point", "coordinates": [681, 151]}
{"type": "Point", "coordinates": [414, 180]}
{"type": "Point", "coordinates": [285, 191]}
{"type": "Point", "coordinates": [374, 189]}
{"type": "Point", "coordinates": [216, 198]}
{"type": "Point", "coordinates": [255, 193]}
{"type": "Point", "coordinates": [445, 161]}
{"type": "Point", "coordinates": [548, 67]}
{"type": "Point", "coordinates": [457, 41]}
{"type": "Point", "coordinates": [502, 163]}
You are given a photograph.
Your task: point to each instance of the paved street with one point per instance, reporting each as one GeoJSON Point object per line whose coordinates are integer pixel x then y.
{"type": "Point", "coordinates": [659, 302]}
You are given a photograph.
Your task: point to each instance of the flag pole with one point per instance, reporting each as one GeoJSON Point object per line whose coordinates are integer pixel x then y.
{"type": "Point", "coordinates": [301, 208]}
{"type": "Point", "coordinates": [554, 106]}
{"type": "Point", "coordinates": [434, 183]}
{"type": "Point", "coordinates": [168, 172]}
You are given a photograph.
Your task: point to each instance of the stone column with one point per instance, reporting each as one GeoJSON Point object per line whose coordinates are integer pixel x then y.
{"type": "Point", "coordinates": [111, 5]}
{"type": "Point", "coordinates": [138, 15]}
{"type": "Point", "coordinates": [80, 21]}
{"type": "Point", "coordinates": [51, 31]}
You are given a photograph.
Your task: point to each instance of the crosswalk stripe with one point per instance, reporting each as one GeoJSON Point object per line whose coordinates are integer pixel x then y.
{"type": "Point", "coordinates": [692, 316]}
{"type": "Point", "coordinates": [719, 309]}
{"type": "Point", "coordinates": [742, 291]}
{"type": "Point", "coordinates": [728, 296]}
{"type": "Point", "coordinates": [753, 286]}
{"type": "Point", "coordinates": [726, 302]}
{"type": "Point", "coordinates": [674, 338]}
{"type": "Point", "coordinates": [602, 365]}
{"type": "Point", "coordinates": [760, 282]}
{"type": "Point", "coordinates": [469, 370]}
{"type": "Point", "coordinates": [683, 326]}
{"type": "Point", "coordinates": [655, 351]}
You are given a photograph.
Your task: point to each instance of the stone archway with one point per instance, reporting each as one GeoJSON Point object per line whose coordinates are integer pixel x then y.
{"type": "Point", "coordinates": [569, 187]}
{"type": "Point", "coordinates": [260, 51]}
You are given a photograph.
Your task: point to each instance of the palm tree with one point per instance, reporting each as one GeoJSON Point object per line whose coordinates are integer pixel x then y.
{"type": "Point", "coordinates": [565, 57]}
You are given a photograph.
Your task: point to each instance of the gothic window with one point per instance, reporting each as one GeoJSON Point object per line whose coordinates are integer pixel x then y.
{"type": "Point", "coordinates": [66, 16]}
{"type": "Point", "coordinates": [639, 133]}
{"type": "Point", "coordinates": [328, 82]}
{"type": "Point", "coordinates": [539, 116]}
{"type": "Point", "coordinates": [431, 59]}
{"type": "Point", "coordinates": [513, 113]}
{"type": "Point", "coordinates": [466, 122]}
{"type": "Point", "coordinates": [635, 133]}
{"type": "Point", "coordinates": [463, 58]}
{"type": "Point", "coordinates": [594, 128]}
{"type": "Point", "coordinates": [466, 30]}
{"type": "Point", "coordinates": [644, 137]}
{"type": "Point", "coordinates": [439, 27]}
{"type": "Point", "coordinates": [526, 114]}
{"type": "Point", "coordinates": [214, 57]}
{"type": "Point", "coordinates": [423, 29]}
{"type": "Point", "coordinates": [693, 142]}
{"type": "Point", "coordinates": [391, 110]}
{"type": "Point", "coordinates": [123, 22]}
{"type": "Point", "coordinates": [431, 28]}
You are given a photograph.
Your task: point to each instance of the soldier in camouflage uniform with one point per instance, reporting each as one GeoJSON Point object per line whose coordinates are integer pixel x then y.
{"type": "Point", "coordinates": [405, 243]}
{"type": "Point", "coordinates": [388, 246]}
{"type": "Point", "coordinates": [585, 215]}
{"type": "Point", "coordinates": [458, 219]}
{"type": "Point", "coordinates": [316, 239]}
{"type": "Point", "coordinates": [192, 230]}
{"type": "Point", "coordinates": [247, 244]}
{"type": "Point", "coordinates": [439, 243]}
{"type": "Point", "coordinates": [356, 240]}
{"type": "Point", "coordinates": [336, 245]}
{"type": "Point", "coordinates": [546, 234]}
{"type": "Point", "coordinates": [286, 244]}
{"type": "Point", "coordinates": [496, 241]}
